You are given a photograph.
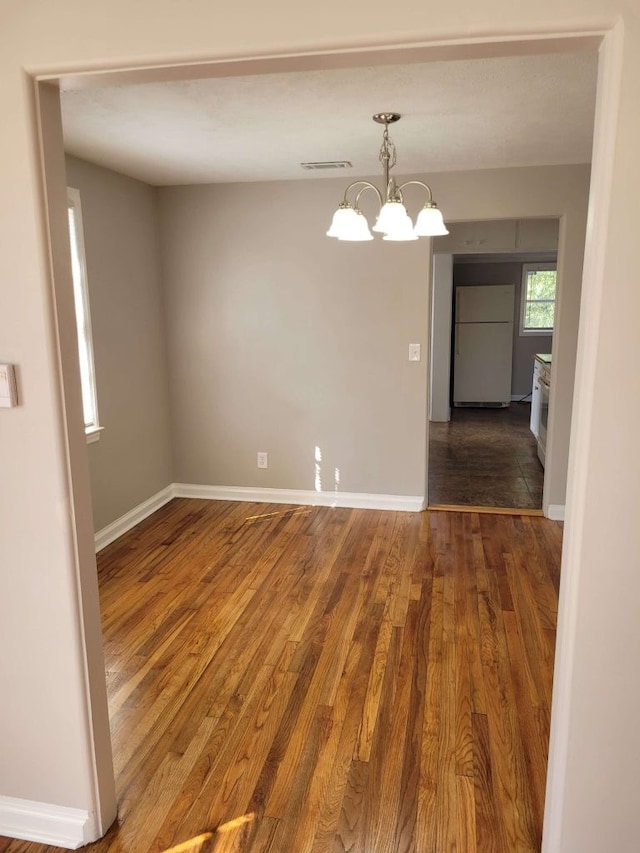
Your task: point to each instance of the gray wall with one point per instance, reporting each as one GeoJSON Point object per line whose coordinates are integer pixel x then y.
{"type": "Point", "coordinates": [132, 459]}
{"type": "Point", "coordinates": [524, 346]}
{"type": "Point", "coordinates": [277, 338]}
{"type": "Point", "coordinates": [283, 340]}
{"type": "Point", "coordinates": [441, 326]}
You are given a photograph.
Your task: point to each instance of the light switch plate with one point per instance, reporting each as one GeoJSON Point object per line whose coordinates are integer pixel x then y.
{"type": "Point", "coordinates": [8, 389]}
{"type": "Point", "coordinates": [414, 352]}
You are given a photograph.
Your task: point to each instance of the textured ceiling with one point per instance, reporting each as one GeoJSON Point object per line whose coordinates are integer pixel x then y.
{"type": "Point", "coordinates": [471, 114]}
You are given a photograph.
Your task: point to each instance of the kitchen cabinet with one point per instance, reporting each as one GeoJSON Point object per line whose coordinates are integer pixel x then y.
{"type": "Point", "coordinates": [499, 235]}
{"type": "Point", "coordinates": [537, 235]}
{"type": "Point", "coordinates": [476, 237]}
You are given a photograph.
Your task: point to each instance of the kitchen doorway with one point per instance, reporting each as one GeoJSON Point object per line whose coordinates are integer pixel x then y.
{"type": "Point", "coordinates": [484, 446]}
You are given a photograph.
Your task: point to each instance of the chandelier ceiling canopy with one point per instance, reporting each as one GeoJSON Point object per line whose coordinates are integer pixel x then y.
{"type": "Point", "coordinates": [349, 222]}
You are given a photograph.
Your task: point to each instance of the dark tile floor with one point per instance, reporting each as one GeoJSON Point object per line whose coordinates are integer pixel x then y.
{"type": "Point", "coordinates": [485, 457]}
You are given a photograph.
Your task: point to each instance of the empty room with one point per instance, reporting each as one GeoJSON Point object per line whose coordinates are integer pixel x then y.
{"type": "Point", "coordinates": [282, 637]}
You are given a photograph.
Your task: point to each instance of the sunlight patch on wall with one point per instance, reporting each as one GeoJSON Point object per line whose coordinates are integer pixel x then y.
{"type": "Point", "coordinates": [318, 470]}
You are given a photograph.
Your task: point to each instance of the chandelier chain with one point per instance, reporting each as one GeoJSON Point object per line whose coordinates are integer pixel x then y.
{"type": "Point", "coordinates": [387, 154]}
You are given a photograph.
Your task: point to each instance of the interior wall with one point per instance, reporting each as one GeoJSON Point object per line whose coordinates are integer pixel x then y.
{"type": "Point", "coordinates": [441, 324]}
{"type": "Point", "coordinates": [283, 340]}
{"type": "Point", "coordinates": [592, 796]}
{"type": "Point", "coordinates": [54, 728]}
{"type": "Point", "coordinates": [525, 347]}
{"type": "Point", "coordinates": [132, 459]}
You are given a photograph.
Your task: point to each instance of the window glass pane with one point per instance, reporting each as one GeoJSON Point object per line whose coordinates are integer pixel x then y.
{"type": "Point", "coordinates": [82, 324]}
{"type": "Point", "coordinates": [541, 284]}
{"type": "Point", "coordinates": [539, 315]}
{"type": "Point", "coordinates": [539, 294]}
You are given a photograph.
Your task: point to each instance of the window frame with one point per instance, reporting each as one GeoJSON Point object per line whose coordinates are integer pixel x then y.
{"type": "Point", "coordinates": [85, 335]}
{"type": "Point", "coordinates": [526, 269]}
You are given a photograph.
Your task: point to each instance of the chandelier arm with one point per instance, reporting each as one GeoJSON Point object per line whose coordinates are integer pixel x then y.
{"type": "Point", "coordinates": [364, 185]}
{"type": "Point", "coordinates": [368, 186]}
{"type": "Point", "coordinates": [420, 184]}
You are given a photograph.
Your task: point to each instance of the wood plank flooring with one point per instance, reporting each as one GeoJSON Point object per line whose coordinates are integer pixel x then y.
{"type": "Point", "coordinates": [294, 679]}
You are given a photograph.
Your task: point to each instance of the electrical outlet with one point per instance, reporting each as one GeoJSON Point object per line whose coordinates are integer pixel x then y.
{"type": "Point", "coordinates": [263, 459]}
{"type": "Point", "coordinates": [414, 352]}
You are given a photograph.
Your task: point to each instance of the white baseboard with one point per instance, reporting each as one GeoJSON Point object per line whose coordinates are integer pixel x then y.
{"type": "Point", "coordinates": [349, 500]}
{"type": "Point", "coordinates": [44, 823]}
{"type": "Point", "coordinates": [121, 525]}
{"type": "Point", "coordinates": [555, 512]}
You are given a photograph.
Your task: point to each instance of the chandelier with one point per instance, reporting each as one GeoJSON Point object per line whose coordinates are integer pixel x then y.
{"type": "Point", "coordinates": [350, 223]}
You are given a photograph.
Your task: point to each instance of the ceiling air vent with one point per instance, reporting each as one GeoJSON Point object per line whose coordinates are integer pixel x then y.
{"type": "Point", "coordinates": [329, 164]}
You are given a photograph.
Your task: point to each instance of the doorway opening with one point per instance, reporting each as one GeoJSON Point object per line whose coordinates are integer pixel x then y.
{"type": "Point", "coordinates": [485, 446]}
{"type": "Point", "coordinates": [75, 450]}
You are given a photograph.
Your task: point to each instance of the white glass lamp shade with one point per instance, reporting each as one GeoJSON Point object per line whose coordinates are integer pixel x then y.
{"type": "Point", "coordinates": [391, 215]}
{"type": "Point", "coordinates": [430, 222]}
{"type": "Point", "coordinates": [342, 218]}
{"type": "Point", "coordinates": [402, 231]}
{"type": "Point", "coordinates": [357, 228]}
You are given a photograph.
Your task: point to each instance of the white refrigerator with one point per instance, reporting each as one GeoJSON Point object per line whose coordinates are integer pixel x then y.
{"type": "Point", "coordinates": [483, 345]}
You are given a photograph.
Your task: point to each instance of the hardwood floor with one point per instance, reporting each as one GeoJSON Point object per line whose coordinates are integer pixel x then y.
{"type": "Point", "coordinates": [293, 679]}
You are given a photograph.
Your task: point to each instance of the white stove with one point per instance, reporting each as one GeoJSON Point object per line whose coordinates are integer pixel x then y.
{"type": "Point", "coordinates": [540, 402]}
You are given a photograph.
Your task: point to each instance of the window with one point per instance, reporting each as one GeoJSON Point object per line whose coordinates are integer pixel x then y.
{"type": "Point", "coordinates": [538, 299]}
{"type": "Point", "coordinates": [83, 317]}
